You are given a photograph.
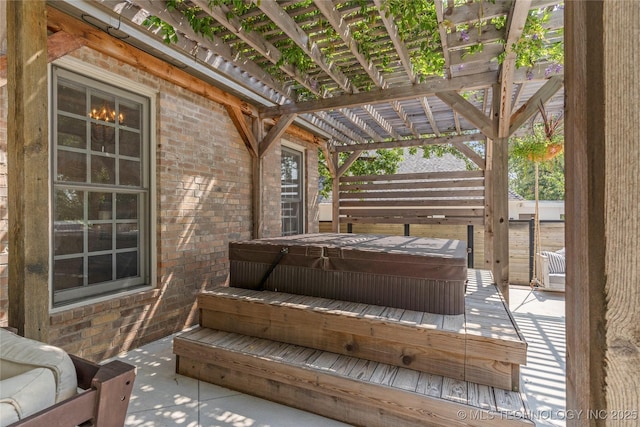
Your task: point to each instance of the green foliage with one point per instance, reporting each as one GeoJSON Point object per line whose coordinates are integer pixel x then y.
{"type": "Point", "coordinates": [550, 182]}
{"type": "Point", "coordinates": [534, 146]}
{"type": "Point", "coordinates": [418, 20]}
{"type": "Point", "coordinates": [533, 47]}
{"type": "Point", "coordinates": [168, 32]}
{"type": "Point", "coordinates": [295, 56]}
{"type": "Point", "coordinates": [380, 162]}
{"type": "Point", "coordinates": [527, 150]}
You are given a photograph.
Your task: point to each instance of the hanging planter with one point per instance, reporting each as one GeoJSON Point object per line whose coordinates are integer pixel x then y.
{"type": "Point", "coordinates": [536, 149]}
{"type": "Point", "coordinates": [545, 142]}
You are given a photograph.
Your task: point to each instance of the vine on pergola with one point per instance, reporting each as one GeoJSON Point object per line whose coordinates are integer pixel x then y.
{"type": "Point", "coordinates": [417, 25]}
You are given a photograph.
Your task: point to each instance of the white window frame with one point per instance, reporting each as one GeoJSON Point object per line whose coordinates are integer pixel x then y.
{"type": "Point", "coordinates": [148, 253]}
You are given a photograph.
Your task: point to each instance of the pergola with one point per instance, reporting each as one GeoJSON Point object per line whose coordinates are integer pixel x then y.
{"type": "Point", "coordinates": [352, 74]}
{"type": "Point", "coordinates": [353, 100]}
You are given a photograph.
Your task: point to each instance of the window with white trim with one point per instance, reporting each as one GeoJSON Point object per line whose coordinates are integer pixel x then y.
{"type": "Point", "coordinates": [292, 191]}
{"type": "Point", "coordinates": [100, 177]}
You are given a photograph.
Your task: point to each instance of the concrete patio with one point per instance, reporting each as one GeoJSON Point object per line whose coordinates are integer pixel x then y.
{"type": "Point", "coordinates": [163, 398]}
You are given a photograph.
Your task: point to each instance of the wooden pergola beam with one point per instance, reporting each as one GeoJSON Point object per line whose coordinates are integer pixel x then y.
{"type": "Point", "coordinates": [415, 142]}
{"type": "Point", "coordinates": [470, 154]}
{"type": "Point", "coordinates": [431, 87]}
{"type": "Point", "coordinates": [275, 133]}
{"type": "Point", "coordinates": [347, 163]}
{"type": "Point", "coordinates": [515, 26]}
{"type": "Point", "coordinates": [246, 133]}
{"type": "Point", "coordinates": [531, 107]}
{"type": "Point", "coordinates": [468, 111]}
{"type": "Point", "coordinates": [58, 45]}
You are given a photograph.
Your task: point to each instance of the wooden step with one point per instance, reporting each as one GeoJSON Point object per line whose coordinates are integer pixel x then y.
{"type": "Point", "coordinates": [478, 351]}
{"type": "Point", "coordinates": [349, 389]}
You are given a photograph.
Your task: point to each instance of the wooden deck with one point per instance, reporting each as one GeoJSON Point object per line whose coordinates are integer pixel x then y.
{"type": "Point", "coordinates": [363, 364]}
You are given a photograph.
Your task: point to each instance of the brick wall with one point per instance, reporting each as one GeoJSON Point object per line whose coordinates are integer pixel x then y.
{"type": "Point", "coordinates": [203, 188]}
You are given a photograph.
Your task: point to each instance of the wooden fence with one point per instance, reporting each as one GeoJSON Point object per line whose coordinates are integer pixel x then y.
{"type": "Point", "coordinates": [414, 198]}
{"type": "Point", "coordinates": [551, 239]}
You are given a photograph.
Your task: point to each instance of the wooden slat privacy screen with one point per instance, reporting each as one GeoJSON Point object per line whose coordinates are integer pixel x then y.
{"type": "Point", "coordinates": [415, 198]}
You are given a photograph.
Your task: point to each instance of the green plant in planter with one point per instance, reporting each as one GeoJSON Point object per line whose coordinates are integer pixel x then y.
{"type": "Point", "coordinates": [545, 141]}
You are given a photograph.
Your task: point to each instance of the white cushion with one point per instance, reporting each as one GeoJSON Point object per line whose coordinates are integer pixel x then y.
{"type": "Point", "coordinates": [557, 262]}
{"type": "Point", "coordinates": [19, 355]}
{"type": "Point", "coordinates": [26, 394]}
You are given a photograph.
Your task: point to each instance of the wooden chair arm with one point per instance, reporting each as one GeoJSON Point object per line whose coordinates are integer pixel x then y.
{"type": "Point", "coordinates": [104, 402]}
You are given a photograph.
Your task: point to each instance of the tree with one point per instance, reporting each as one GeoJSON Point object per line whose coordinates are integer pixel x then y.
{"type": "Point", "coordinates": [551, 178]}
{"type": "Point", "coordinates": [378, 162]}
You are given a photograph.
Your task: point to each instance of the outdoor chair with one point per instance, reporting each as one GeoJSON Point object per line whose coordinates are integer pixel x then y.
{"type": "Point", "coordinates": [42, 385]}
{"type": "Point", "coordinates": [551, 270]}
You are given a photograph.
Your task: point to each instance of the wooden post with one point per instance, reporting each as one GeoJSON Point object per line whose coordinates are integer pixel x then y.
{"type": "Point", "coordinates": [602, 210]}
{"type": "Point", "coordinates": [28, 168]}
{"type": "Point", "coordinates": [496, 240]}
{"type": "Point", "coordinates": [256, 164]}
{"type": "Point", "coordinates": [488, 206]}
{"type": "Point", "coordinates": [500, 189]}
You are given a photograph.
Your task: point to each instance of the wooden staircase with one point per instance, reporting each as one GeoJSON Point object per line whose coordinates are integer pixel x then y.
{"type": "Point", "coordinates": [362, 364]}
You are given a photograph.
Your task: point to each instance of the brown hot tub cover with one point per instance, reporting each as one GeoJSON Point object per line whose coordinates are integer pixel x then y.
{"type": "Point", "coordinates": [416, 273]}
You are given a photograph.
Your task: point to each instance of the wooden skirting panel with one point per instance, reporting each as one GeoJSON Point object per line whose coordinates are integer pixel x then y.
{"type": "Point", "coordinates": [422, 341]}
{"type": "Point", "coordinates": [353, 390]}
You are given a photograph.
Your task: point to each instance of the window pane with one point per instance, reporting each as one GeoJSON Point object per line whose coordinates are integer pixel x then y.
{"type": "Point", "coordinates": [68, 238]}
{"type": "Point", "coordinates": [103, 170]}
{"type": "Point", "coordinates": [131, 114]}
{"type": "Point", "coordinates": [129, 143]}
{"type": "Point", "coordinates": [126, 236]}
{"type": "Point", "coordinates": [71, 98]}
{"type": "Point", "coordinates": [100, 237]}
{"type": "Point", "coordinates": [103, 138]}
{"type": "Point", "coordinates": [129, 173]}
{"type": "Point", "coordinates": [68, 273]}
{"type": "Point", "coordinates": [127, 265]}
{"type": "Point", "coordinates": [69, 205]}
{"type": "Point", "coordinates": [126, 206]}
{"type": "Point", "coordinates": [72, 132]}
{"type": "Point", "coordinates": [100, 206]}
{"type": "Point", "coordinates": [72, 166]}
{"type": "Point", "coordinates": [100, 269]}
